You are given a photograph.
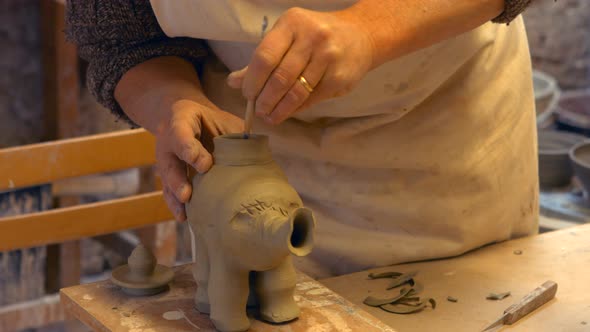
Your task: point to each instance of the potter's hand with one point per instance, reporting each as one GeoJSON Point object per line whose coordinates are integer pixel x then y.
{"type": "Point", "coordinates": [183, 139]}
{"type": "Point", "coordinates": [164, 96]}
{"type": "Point", "coordinates": [331, 51]}
{"type": "Point", "coordinates": [334, 50]}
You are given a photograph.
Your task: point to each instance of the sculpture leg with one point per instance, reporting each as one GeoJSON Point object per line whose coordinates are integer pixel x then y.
{"type": "Point", "coordinates": [228, 294]}
{"type": "Point", "coordinates": [201, 275]}
{"type": "Point", "coordinates": [275, 293]}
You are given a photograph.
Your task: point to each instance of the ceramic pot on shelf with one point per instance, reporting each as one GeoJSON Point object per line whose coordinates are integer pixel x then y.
{"type": "Point", "coordinates": [555, 169]}
{"type": "Point", "coordinates": [580, 159]}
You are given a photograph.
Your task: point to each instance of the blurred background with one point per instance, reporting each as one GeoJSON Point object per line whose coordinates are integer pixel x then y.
{"type": "Point", "coordinates": [43, 97]}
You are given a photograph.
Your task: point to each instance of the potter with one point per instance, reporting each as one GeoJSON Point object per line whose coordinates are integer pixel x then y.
{"type": "Point", "coordinates": [246, 217]}
{"type": "Point", "coordinates": [417, 145]}
{"type": "Point", "coordinates": [407, 126]}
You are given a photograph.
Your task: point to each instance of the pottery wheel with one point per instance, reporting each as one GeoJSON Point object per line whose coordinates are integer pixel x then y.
{"type": "Point", "coordinates": [142, 275]}
{"type": "Point", "coordinates": [153, 284]}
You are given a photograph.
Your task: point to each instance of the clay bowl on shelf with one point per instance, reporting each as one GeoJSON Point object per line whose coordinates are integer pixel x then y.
{"type": "Point", "coordinates": [546, 96]}
{"type": "Point", "coordinates": [580, 159]}
{"type": "Point", "coordinates": [555, 169]}
{"type": "Point", "coordinates": [573, 111]}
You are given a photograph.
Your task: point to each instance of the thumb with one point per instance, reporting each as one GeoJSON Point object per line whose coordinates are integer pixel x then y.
{"type": "Point", "coordinates": [236, 78]}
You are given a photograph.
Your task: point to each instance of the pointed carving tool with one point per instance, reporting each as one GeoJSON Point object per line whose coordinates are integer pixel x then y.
{"type": "Point", "coordinates": [530, 302]}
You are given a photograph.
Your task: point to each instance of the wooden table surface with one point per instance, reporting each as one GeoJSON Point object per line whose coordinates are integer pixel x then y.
{"type": "Point", "coordinates": [103, 307]}
{"type": "Point", "coordinates": [562, 256]}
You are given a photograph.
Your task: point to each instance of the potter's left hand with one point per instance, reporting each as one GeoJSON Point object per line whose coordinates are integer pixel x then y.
{"type": "Point", "coordinates": [329, 50]}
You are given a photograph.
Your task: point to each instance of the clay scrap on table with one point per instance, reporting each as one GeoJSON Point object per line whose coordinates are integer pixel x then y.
{"type": "Point", "coordinates": [406, 300]}
{"type": "Point", "coordinates": [247, 221]}
{"type": "Point", "coordinates": [498, 296]}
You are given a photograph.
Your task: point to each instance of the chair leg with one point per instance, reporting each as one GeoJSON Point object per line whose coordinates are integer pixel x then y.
{"type": "Point", "coordinates": [63, 260]}
{"type": "Point", "coordinates": [63, 266]}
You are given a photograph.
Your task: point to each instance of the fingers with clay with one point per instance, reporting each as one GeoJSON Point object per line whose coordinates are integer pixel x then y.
{"type": "Point", "coordinates": [176, 189]}
{"type": "Point", "coordinates": [176, 148]}
{"type": "Point", "coordinates": [188, 148]}
{"type": "Point", "coordinates": [301, 61]}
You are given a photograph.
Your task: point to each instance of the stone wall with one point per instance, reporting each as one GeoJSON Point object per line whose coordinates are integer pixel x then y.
{"type": "Point", "coordinates": [21, 103]}
{"type": "Point", "coordinates": [559, 37]}
{"type": "Point", "coordinates": [22, 272]}
{"type": "Point", "coordinates": [20, 73]}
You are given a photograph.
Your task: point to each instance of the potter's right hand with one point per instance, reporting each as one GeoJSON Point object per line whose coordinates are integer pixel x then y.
{"type": "Point", "coordinates": [164, 96]}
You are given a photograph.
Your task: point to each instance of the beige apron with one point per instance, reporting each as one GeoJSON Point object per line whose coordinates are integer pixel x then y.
{"type": "Point", "coordinates": [431, 155]}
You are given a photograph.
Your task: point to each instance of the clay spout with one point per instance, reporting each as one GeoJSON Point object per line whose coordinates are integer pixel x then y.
{"type": "Point", "coordinates": [261, 241]}
{"type": "Point", "coordinates": [301, 223]}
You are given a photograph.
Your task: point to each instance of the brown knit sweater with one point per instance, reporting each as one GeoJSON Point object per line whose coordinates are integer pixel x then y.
{"type": "Point", "coordinates": [116, 35]}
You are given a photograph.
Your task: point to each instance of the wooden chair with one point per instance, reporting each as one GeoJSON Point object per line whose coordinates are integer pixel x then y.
{"type": "Point", "coordinates": [35, 164]}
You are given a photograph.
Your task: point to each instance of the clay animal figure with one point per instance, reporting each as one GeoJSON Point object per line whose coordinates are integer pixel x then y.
{"type": "Point", "coordinates": [247, 222]}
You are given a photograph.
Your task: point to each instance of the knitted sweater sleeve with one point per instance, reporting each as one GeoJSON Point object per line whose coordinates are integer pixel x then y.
{"type": "Point", "coordinates": [114, 36]}
{"type": "Point", "coordinates": [512, 8]}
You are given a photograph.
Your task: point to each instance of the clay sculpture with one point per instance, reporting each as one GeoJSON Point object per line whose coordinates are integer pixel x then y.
{"type": "Point", "coordinates": [141, 275]}
{"type": "Point", "coordinates": [247, 220]}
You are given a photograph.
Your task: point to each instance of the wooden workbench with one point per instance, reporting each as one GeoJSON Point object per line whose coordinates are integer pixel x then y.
{"type": "Point", "coordinates": [562, 256]}
{"type": "Point", "coordinates": [103, 307]}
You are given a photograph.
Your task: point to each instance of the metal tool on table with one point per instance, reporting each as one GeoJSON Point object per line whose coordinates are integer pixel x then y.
{"type": "Point", "coordinates": [527, 304]}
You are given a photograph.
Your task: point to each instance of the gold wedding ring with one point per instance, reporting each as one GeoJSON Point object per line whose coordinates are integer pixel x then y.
{"type": "Point", "coordinates": [305, 84]}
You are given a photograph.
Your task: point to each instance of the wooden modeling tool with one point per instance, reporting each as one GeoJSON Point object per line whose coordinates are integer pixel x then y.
{"type": "Point", "coordinates": [527, 304]}
{"type": "Point", "coordinates": [248, 118]}
{"type": "Point", "coordinates": [250, 106]}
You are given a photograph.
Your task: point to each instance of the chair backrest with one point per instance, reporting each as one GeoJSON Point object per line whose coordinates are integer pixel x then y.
{"type": "Point", "coordinates": [42, 163]}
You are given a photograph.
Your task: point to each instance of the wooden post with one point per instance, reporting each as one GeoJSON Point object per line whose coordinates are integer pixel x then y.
{"type": "Point", "coordinates": [61, 89]}
{"type": "Point", "coordinates": [61, 95]}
